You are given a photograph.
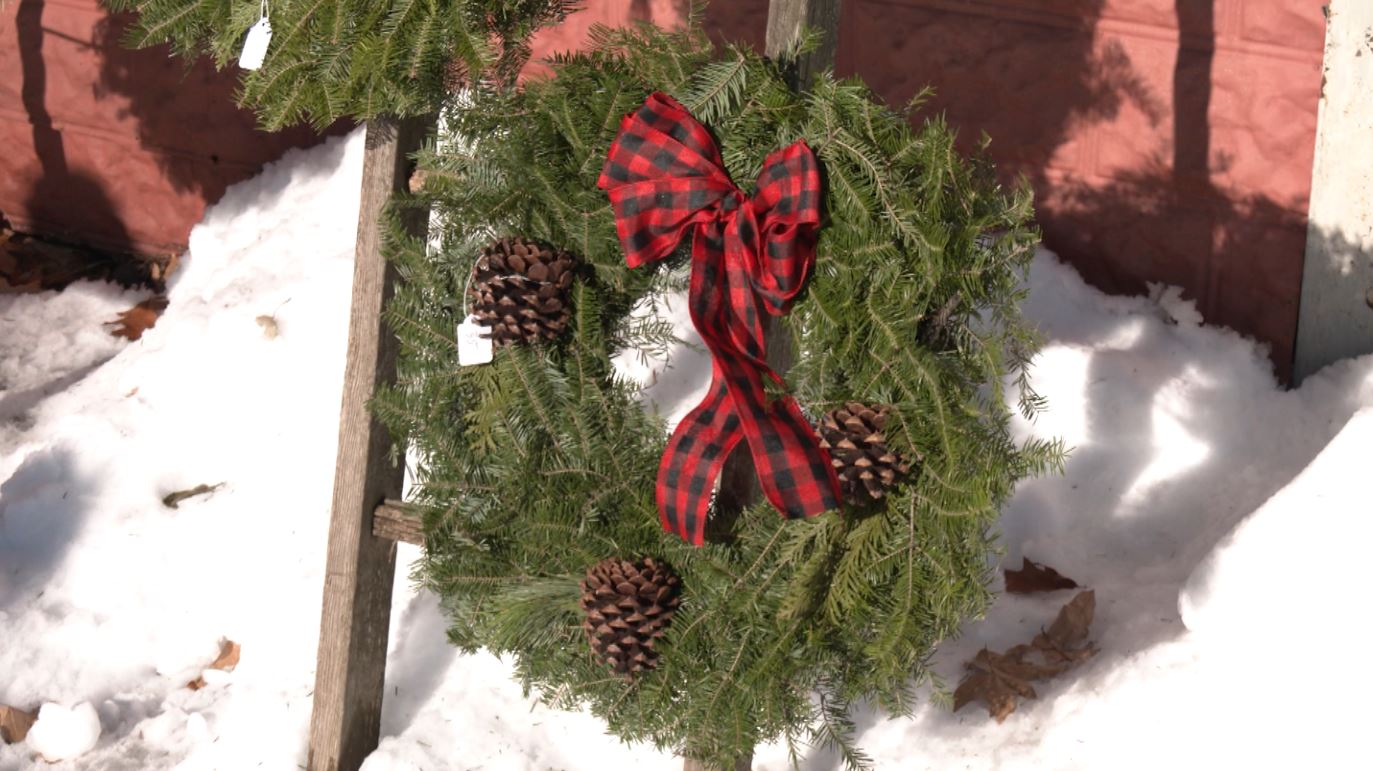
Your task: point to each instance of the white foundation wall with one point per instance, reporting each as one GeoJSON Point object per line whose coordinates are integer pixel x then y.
{"type": "Point", "coordinates": [1336, 319]}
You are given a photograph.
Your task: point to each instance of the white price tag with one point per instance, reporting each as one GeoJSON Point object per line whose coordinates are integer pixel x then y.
{"type": "Point", "coordinates": [255, 46]}
{"type": "Point", "coordinates": [474, 343]}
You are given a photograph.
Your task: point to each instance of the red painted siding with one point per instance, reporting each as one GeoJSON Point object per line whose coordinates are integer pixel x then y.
{"type": "Point", "coordinates": [124, 149]}
{"type": "Point", "coordinates": [113, 147]}
{"type": "Point", "coordinates": [1167, 140]}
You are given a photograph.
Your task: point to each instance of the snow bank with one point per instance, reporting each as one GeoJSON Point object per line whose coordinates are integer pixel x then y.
{"type": "Point", "coordinates": [108, 596]}
{"type": "Point", "coordinates": [61, 733]}
{"type": "Point", "coordinates": [48, 341]}
{"type": "Point", "coordinates": [1195, 481]}
{"type": "Point", "coordinates": [1298, 561]}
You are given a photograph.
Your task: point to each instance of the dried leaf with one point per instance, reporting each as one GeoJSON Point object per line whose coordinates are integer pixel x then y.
{"type": "Point", "coordinates": [228, 656]}
{"type": "Point", "coordinates": [172, 500]}
{"type": "Point", "coordinates": [269, 326]}
{"type": "Point", "coordinates": [1000, 699]}
{"type": "Point", "coordinates": [132, 323]}
{"type": "Point", "coordinates": [1013, 663]}
{"type": "Point", "coordinates": [1035, 577]}
{"type": "Point", "coordinates": [15, 724]}
{"type": "Point", "coordinates": [417, 180]}
{"type": "Point", "coordinates": [1074, 619]}
{"type": "Point", "coordinates": [228, 659]}
{"type": "Point", "coordinates": [999, 680]}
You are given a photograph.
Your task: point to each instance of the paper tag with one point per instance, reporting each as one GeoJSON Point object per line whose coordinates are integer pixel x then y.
{"type": "Point", "coordinates": [474, 343]}
{"type": "Point", "coordinates": [255, 47]}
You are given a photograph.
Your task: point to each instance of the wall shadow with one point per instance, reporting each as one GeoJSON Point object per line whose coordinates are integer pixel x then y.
{"type": "Point", "coordinates": [60, 190]}
{"type": "Point", "coordinates": [187, 115]}
{"type": "Point", "coordinates": [42, 508]}
{"type": "Point", "coordinates": [192, 140]}
{"type": "Point", "coordinates": [1033, 81]}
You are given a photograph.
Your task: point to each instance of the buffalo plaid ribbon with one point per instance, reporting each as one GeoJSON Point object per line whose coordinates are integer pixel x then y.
{"type": "Point", "coordinates": [666, 181]}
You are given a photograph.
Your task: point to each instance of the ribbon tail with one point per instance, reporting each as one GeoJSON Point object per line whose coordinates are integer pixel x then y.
{"type": "Point", "coordinates": [799, 481]}
{"type": "Point", "coordinates": [692, 462]}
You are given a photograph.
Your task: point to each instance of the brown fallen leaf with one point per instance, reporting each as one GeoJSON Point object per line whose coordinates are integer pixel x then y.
{"type": "Point", "coordinates": [173, 500]}
{"type": "Point", "coordinates": [997, 679]}
{"type": "Point", "coordinates": [417, 180]}
{"type": "Point", "coordinates": [1000, 680]}
{"type": "Point", "coordinates": [269, 326]}
{"type": "Point", "coordinates": [228, 659]}
{"type": "Point", "coordinates": [998, 695]}
{"type": "Point", "coordinates": [1035, 577]}
{"type": "Point", "coordinates": [132, 323]}
{"type": "Point", "coordinates": [1073, 622]}
{"type": "Point", "coordinates": [15, 724]}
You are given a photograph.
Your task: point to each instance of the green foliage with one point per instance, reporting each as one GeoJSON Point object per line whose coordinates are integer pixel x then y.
{"type": "Point", "coordinates": [542, 463]}
{"type": "Point", "coordinates": [357, 58]}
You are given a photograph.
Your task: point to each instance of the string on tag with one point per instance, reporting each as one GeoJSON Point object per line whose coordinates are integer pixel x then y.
{"type": "Point", "coordinates": [467, 287]}
{"type": "Point", "coordinates": [475, 345]}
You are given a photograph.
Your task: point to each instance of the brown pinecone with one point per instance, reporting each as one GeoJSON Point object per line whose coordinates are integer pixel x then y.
{"type": "Point", "coordinates": [866, 467]}
{"type": "Point", "coordinates": [519, 289]}
{"type": "Point", "coordinates": [628, 606]}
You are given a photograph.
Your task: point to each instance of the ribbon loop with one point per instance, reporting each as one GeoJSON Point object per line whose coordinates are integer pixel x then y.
{"type": "Point", "coordinates": [666, 180]}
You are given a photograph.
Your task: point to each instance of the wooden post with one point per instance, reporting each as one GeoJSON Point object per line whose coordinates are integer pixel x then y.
{"type": "Point", "coordinates": [1336, 316]}
{"type": "Point", "coordinates": [739, 487]}
{"type": "Point", "coordinates": [360, 567]}
{"type": "Point", "coordinates": [787, 19]}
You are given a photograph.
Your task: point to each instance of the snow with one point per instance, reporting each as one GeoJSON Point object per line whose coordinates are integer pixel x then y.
{"type": "Point", "coordinates": [61, 733]}
{"type": "Point", "coordinates": [1220, 519]}
{"type": "Point", "coordinates": [108, 596]}
{"type": "Point", "coordinates": [51, 341]}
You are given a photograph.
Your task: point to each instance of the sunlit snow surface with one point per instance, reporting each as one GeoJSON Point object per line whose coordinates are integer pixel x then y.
{"type": "Point", "coordinates": [1223, 523]}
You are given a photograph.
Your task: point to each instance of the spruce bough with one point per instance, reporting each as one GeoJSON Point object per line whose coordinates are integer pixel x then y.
{"type": "Point", "coordinates": [534, 467]}
{"type": "Point", "coordinates": [330, 59]}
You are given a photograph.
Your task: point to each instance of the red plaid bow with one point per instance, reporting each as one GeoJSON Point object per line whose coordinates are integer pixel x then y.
{"type": "Point", "coordinates": [666, 180]}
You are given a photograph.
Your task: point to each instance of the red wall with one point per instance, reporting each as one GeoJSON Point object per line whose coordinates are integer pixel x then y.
{"type": "Point", "coordinates": [1155, 154]}
{"type": "Point", "coordinates": [125, 149]}
{"type": "Point", "coordinates": [1167, 140]}
{"type": "Point", "coordinates": [116, 148]}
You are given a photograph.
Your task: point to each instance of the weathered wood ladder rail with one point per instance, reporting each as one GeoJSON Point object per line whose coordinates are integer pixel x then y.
{"type": "Point", "coordinates": [368, 518]}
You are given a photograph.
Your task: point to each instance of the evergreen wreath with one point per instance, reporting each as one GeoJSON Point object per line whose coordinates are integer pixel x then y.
{"type": "Point", "coordinates": [532, 470]}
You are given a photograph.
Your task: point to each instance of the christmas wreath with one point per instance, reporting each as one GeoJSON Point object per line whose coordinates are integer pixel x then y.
{"type": "Point", "coordinates": [563, 520]}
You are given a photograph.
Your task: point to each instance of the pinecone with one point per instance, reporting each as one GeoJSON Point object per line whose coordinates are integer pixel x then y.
{"type": "Point", "coordinates": [628, 606]}
{"type": "Point", "coordinates": [866, 467]}
{"type": "Point", "coordinates": [519, 289]}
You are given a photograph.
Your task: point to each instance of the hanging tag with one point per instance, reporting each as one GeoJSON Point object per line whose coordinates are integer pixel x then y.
{"type": "Point", "coordinates": [474, 343]}
{"type": "Point", "coordinates": [255, 46]}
